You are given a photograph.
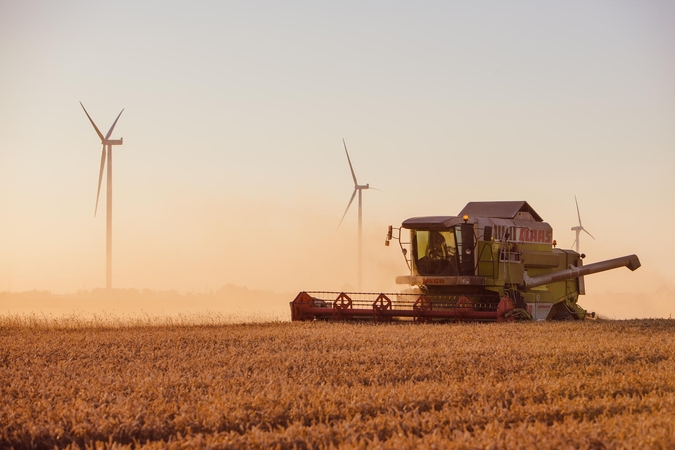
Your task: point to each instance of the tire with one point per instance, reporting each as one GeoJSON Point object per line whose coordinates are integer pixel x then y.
{"type": "Point", "coordinates": [563, 316]}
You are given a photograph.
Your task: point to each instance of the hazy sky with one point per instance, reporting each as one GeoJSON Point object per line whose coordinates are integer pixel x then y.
{"type": "Point", "coordinates": [232, 168]}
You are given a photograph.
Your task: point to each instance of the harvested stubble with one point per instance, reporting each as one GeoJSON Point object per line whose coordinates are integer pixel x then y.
{"type": "Point", "coordinates": [586, 384]}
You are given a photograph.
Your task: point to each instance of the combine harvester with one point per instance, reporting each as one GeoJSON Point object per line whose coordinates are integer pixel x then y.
{"type": "Point", "coordinates": [495, 261]}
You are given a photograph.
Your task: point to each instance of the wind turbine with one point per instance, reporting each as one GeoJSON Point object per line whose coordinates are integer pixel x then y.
{"type": "Point", "coordinates": [579, 228]}
{"type": "Point", "coordinates": [107, 142]}
{"type": "Point", "coordinates": [357, 188]}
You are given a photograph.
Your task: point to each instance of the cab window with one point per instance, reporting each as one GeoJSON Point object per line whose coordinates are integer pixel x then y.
{"type": "Point", "coordinates": [435, 252]}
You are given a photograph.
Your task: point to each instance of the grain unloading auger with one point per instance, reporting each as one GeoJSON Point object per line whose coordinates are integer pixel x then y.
{"type": "Point", "coordinates": [495, 261]}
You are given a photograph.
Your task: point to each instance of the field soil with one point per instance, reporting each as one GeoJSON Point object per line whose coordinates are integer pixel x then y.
{"type": "Point", "coordinates": [591, 384]}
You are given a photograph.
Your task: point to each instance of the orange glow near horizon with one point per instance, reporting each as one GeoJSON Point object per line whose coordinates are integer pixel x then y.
{"type": "Point", "coordinates": [233, 170]}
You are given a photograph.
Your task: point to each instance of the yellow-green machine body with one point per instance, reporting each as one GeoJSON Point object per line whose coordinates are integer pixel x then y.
{"type": "Point", "coordinates": [494, 261]}
{"type": "Point", "coordinates": [492, 250]}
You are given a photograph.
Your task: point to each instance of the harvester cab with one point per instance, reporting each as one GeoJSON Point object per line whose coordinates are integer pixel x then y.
{"type": "Point", "coordinates": [494, 261]}
{"type": "Point", "coordinates": [485, 245]}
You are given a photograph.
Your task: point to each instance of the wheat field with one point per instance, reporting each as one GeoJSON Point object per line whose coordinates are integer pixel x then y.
{"type": "Point", "coordinates": [180, 383]}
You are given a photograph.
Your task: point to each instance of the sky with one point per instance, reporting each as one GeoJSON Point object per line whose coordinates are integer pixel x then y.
{"type": "Point", "coordinates": [232, 168]}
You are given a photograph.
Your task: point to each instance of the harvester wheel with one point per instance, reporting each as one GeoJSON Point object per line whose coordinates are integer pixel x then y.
{"type": "Point", "coordinates": [563, 315]}
{"type": "Point", "coordinates": [518, 314]}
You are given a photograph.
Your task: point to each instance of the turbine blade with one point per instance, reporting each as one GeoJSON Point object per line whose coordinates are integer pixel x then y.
{"type": "Point", "coordinates": [100, 177]}
{"type": "Point", "coordinates": [572, 246]}
{"type": "Point", "coordinates": [578, 214]}
{"type": "Point", "coordinates": [92, 122]}
{"type": "Point", "coordinates": [113, 125]}
{"type": "Point", "coordinates": [584, 229]}
{"type": "Point", "coordinates": [348, 205]}
{"type": "Point", "coordinates": [376, 189]}
{"type": "Point", "coordinates": [350, 162]}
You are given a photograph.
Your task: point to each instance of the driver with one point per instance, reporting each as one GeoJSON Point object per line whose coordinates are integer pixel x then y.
{"type": "Point", "coordinates": [437, 248]}
{"type": "Point", "coordinates": [436, 257]}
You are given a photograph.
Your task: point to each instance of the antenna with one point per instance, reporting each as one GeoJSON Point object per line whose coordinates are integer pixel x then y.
{"type": "Point", "coordinates": [106, 156]}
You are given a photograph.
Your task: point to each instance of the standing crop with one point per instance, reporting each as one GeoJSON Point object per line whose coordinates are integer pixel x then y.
{"type": "Point", "coordinates": [318, 385]}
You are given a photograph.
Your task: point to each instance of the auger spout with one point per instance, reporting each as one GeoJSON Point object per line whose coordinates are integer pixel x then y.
{"type": "Point", "coordinates": [631, 261]}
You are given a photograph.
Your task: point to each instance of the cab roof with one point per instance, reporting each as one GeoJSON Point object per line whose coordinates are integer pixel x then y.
{"type": "Point", "coordinates": [516, 210]}
{"type": "Point", "coordinates": [431, 222]}
{"type": "Point", "coordinates": [499, 210]}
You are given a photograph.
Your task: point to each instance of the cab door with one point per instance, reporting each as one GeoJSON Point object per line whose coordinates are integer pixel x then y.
{"type": "Point", "coordinates": [466, 244]}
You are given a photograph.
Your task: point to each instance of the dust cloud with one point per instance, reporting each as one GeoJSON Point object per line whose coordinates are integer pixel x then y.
{"type": "Point", "coordinates": [231, 256]}
{"type": "Point", "coordinates": [622, 294]}
{"type": "Point", "coordinates": [623, 305]}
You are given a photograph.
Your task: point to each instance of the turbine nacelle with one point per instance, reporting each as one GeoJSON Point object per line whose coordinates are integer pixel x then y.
{"type": "Point", "coordinates": [119, 141]}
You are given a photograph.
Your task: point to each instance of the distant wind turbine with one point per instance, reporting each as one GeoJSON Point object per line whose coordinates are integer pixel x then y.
{"type": "Point", "coordinates": [107, 142]}
{"type": "Point", "coordinates": [579, 228]}
{"type": "Point", "coordinates": [357, 188]}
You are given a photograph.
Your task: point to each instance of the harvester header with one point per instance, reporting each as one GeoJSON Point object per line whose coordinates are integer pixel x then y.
{"type": "Point", "coordinates": [494, 261]}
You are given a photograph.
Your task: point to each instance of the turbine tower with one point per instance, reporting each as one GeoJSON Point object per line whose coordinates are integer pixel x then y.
{"type": "Point", "coordinates": [357, 188]}
{"type": "Point", "coordinates": [107, 142]}
{"type": "Point", "coordinates": [579, 228]}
